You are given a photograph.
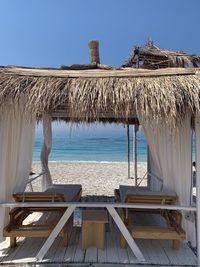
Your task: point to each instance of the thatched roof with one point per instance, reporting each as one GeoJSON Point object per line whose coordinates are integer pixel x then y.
{"type": "Point", "coordinates": [150, 56]}
{"type": "Point", "coordinates": [103, 94]}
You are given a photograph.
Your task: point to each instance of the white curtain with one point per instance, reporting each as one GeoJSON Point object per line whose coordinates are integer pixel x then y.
{"type": "Point", "coordinates": [46, 149]}
{"type": "Point", "coordinates": [154, 183]}
{"type": "Point", "coordinates": [170, 155]}
{"type": "Point", "coordinates": [16, 146]}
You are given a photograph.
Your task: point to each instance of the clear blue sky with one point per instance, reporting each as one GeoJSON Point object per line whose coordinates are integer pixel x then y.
{"type": "Point", "coordinates": [55, 32]}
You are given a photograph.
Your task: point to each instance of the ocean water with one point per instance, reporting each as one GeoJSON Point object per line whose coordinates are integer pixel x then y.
{"type": "Point", "coordinates": [93, 142]}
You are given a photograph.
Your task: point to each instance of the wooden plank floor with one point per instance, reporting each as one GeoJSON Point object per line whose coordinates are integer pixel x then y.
{"type": "Point", "coordinates": [155, 251]}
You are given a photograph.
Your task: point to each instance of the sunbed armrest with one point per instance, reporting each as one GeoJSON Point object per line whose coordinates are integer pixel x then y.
{"type": "Point", "coordinates": [175, 219]}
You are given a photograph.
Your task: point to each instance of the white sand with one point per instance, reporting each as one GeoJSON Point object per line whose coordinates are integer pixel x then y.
{"type": "Point", "coordinates": [96, 178]}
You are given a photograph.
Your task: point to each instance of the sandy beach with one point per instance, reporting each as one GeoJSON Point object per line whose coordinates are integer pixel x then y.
{"type": "Point", "coordinates": [96, 178]}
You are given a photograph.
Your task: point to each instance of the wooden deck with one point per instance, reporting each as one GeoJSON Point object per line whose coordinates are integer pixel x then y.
{"type": "Point", "coordinates": [155, 251]}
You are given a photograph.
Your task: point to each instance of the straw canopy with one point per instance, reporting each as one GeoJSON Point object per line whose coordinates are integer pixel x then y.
{"type": "Point", "coordinates": [103, 94]}
{"type": "Point", "coordinates": [150, 56]}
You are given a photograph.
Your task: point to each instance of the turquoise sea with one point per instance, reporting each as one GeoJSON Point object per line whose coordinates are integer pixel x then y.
{"type": "Point", "coordinates": [90, 142]}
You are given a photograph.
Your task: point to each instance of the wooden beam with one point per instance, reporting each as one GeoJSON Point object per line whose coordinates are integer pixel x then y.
{"type": "Point", "coordinates": [94, 205]}
{"type": "Point", "coordinates": [64, 113]}
{"type": "Point", "coordinates": [96, 73]}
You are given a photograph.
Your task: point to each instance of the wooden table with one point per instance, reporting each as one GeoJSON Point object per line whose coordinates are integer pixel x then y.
{"type": "Point", "coordinates": [93, 228]}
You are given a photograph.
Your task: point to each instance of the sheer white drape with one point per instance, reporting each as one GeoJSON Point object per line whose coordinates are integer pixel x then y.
{"type": "Point", "coordinates": [155, 182]}
{"type": "Point", "coordinates": [171, 157]}
{"type": "Point", "coordinates": [154, 156]}
{"type": "Point", "coordinates": [46, 149]}
{"type": "Point", "coordinates": [16, 146]}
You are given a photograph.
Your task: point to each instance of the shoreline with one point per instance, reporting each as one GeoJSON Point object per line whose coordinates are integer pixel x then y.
{"type": "Point", "coordinates": [96, 178]}
{"type": "Point", "coordinates": [88, 161]}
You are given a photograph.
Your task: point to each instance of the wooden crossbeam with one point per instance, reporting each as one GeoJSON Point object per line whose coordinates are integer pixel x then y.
{"type": "Point", "coordinates": [114, 73]}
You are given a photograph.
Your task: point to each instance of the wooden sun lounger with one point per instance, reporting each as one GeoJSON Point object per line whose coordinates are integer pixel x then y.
{"type": "Point", "coordinates": [57, 193]}
{"type": "Point", "coordinates": [173, 231]}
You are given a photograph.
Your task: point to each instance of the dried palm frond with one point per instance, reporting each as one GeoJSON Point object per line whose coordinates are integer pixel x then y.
{"type": "Point", "coordinates": [124, 93]}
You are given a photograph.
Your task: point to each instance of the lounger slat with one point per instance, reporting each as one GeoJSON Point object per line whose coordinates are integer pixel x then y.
{"type": "Point", "coordinates": [155, 232]}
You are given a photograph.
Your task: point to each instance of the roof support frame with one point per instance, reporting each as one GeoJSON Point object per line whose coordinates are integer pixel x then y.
{"type": "Point", "coordinates": [197, 130]}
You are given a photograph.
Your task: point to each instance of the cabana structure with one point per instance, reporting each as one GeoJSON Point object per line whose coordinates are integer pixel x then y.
{"type": "Point", "coordinates": [166, 102]}
{"type": "Point", "coordinates": [150, 56]}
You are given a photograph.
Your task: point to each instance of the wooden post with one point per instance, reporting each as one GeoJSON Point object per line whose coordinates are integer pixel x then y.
{"type": "Point", "coordinates": [148, 168]}
{"type": "Point", "coordinates": [135, 153]}
{"type": "Point", "coordinates": [128, 150]}
{"type": "Point", "coordinates": [94, 52]}
{"type": "Point", "coordinates": [197, 131]}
